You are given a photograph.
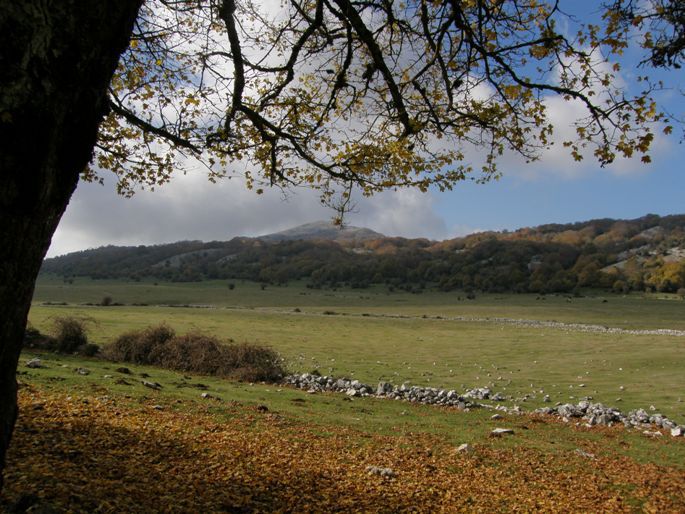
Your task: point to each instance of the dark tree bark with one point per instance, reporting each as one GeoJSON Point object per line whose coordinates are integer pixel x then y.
{"type": "Point", "coordinates": [57, 58]}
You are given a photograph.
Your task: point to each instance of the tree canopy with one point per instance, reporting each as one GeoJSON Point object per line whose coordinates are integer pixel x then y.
{"type": "Point", "coordinates": [376, 94]}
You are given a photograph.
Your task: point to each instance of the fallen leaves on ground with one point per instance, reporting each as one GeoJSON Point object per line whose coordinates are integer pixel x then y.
{"type": "Point", "coordinates": [86, 454]}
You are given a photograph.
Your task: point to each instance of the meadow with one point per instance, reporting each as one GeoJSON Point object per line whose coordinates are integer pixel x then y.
{"type": "Point", "coordinates": [103, 441]}
{"type": "Point", "coordinates": [407, 338]}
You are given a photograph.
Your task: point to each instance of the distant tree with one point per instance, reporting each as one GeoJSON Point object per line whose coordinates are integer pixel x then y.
{"type": "Point", "coordinates": [331, 94]}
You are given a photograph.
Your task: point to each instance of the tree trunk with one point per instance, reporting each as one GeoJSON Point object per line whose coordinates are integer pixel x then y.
{"type": "Point", "coordinates": [57, 59]}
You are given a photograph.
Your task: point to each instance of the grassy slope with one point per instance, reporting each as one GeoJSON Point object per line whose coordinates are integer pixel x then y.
{"type": "Point", "coordinates": [452, 354]}
{"type": "Point", "coordinates": [79, 435]}
{"type": "Point", "coordinates": [631, 311]}
{"type": "Point", "coordinates": [88, 443]}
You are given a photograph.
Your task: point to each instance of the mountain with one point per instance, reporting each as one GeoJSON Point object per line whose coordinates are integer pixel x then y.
{"type": "Point", "coordinates": [646, 253]}
{"type": "Point", "coordinates": [323, 230]}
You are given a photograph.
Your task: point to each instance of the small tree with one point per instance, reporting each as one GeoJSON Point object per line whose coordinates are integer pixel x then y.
{"type": "Point", "coordinates": [70, 334]}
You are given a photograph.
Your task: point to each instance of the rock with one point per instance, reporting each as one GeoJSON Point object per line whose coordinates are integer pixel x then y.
{"type": "Point", "coordinates": [352, 392]}
{"type": "Point", "coordinates": [465, 448]}
{"type": "Point", "coordinates": [496, 416]}
{"type": "Point", "coordinates": [125, 371]}
{"type": "Point", "coordinates": [82, 371]}
{"type": "Point", "coordinates": [585, 454]}
{"type": "Point", "coordinates": [479, 393]}
{"type": "Point", "coordinates": [122, 381]}
{"type": "Point", "coordinates": [35, 363]}
{"type": "Point", "coordinates": [383, 472]}
{"type": "Point", "coordinates": [652, 434]}
{"type": "Point", "coordinates": [499, 432]}
{"type": "Point", "coordinates": [206, 396]}
{"type": "Point", "coordinates": [262, 408]}
{"type": "Point", "coordinates": [383, 388]}
{"type": "Point", "coordinates": [158, 407]}
{"type": "Point", "coordinates": [678, 431]}
{"type": "Point", "coordinates": [151, 385]}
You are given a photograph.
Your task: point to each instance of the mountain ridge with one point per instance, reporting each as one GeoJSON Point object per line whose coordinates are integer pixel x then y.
{"type": "Point", "coordinates": [325, 230]}
{"type": "Point", "coordinates": [622, 255]}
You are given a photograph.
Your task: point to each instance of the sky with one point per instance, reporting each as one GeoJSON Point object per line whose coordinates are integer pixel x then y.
{"type": "Point", "coordinates": [552, 190]}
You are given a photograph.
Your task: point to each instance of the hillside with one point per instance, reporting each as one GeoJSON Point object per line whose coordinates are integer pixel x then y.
{"type": "Point", "coordinates": [323, 230]}
{"type": "Point", "coordinates": [622, 255]}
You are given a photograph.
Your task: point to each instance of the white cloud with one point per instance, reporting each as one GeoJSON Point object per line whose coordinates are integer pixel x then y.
{"type": "Point", "coordinates": [190, 207]}
{"type": "Point", "coordinates": [407, 213]}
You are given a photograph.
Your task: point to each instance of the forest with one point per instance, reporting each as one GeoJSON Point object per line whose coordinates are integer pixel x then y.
{"type": "Point", "coordinates": [644, 254]}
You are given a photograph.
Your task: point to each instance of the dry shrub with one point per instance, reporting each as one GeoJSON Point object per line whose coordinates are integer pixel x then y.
{"type": "Point", "coordinates": [34, 338]}
{"type": "Point", "coordinates": [253, 363]}
{"type": "Point", "coordinates": [137, 346]}
{"type": "Point", "coordinates": [196, 353]}
{"type": "Point", "coordinates": [71, 335]}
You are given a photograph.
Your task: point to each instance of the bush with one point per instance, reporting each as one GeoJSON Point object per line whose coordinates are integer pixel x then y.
{"type": "Point", "coordinates": [70, 334]}
{"type": "Point", "coordinates": [106, 301]}
{"type": "Point", "coordinates": [33, 338]}
{"type": "Point", "coordinates": [253, 363]}
{"type": "Point", "coordinates": [137, 345]}
{"type": "Point", "coordinates": [196, 353]}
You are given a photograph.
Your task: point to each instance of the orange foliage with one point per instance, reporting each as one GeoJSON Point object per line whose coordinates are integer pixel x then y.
{"type": "Point", "coordinates": [108, 456]}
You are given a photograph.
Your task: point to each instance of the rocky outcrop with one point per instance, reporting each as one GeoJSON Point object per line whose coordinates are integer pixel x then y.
{"type": "Point", "coordinates": [591, 413]}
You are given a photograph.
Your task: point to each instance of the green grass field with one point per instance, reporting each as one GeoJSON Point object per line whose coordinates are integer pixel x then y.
{"type": "Point", "coordinates": [268, 447]}
{"type": "Point", "coordinates": [363, 337]}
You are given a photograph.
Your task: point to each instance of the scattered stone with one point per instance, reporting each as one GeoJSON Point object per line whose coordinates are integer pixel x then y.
{"type": "Point", "coordinates": [207, 396]}
{"type": "Point", "coordinates": [262, 408]}
{"type": "Point", "coordinates": [465, 448]}
{"type": "Point", "coordinates": [122, 381]}
{"type": "Point", "coordinates": [585, 454]}
{"type": "Point", "coordinates": [499, 432]}
{"type": "Point", "coordinates": [585, 412]}
{"type": "Point", "coordinates": [654, 433]}
{"type": "Point", "coordinates": [125, 371]}
{"type": "Point", "coordinates": [496, 416]}
{"type": "Point", "coordinates": [107, 376]}
{"type": "Point", "coordinates": [82, 371]}
{"type": "Point", "coordinates": [158, 407]}
{"type": "Point", "coordinates": [35, 363]}
{"type": "Point", "coordinates": [151, 385]}
{"type": "Point", "coordinates": [383, 472]}
{"type": "Point", "coordinates": [678, 431]}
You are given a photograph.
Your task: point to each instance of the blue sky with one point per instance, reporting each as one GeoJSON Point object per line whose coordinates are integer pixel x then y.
{"type": "Point", "coordinates": [517, 201]}
{"type": "Point", "coordinates": [553, 190]}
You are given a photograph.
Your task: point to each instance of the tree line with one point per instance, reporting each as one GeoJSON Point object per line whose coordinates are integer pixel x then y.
{"type": "Point", "coordinates": [642, 254]}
